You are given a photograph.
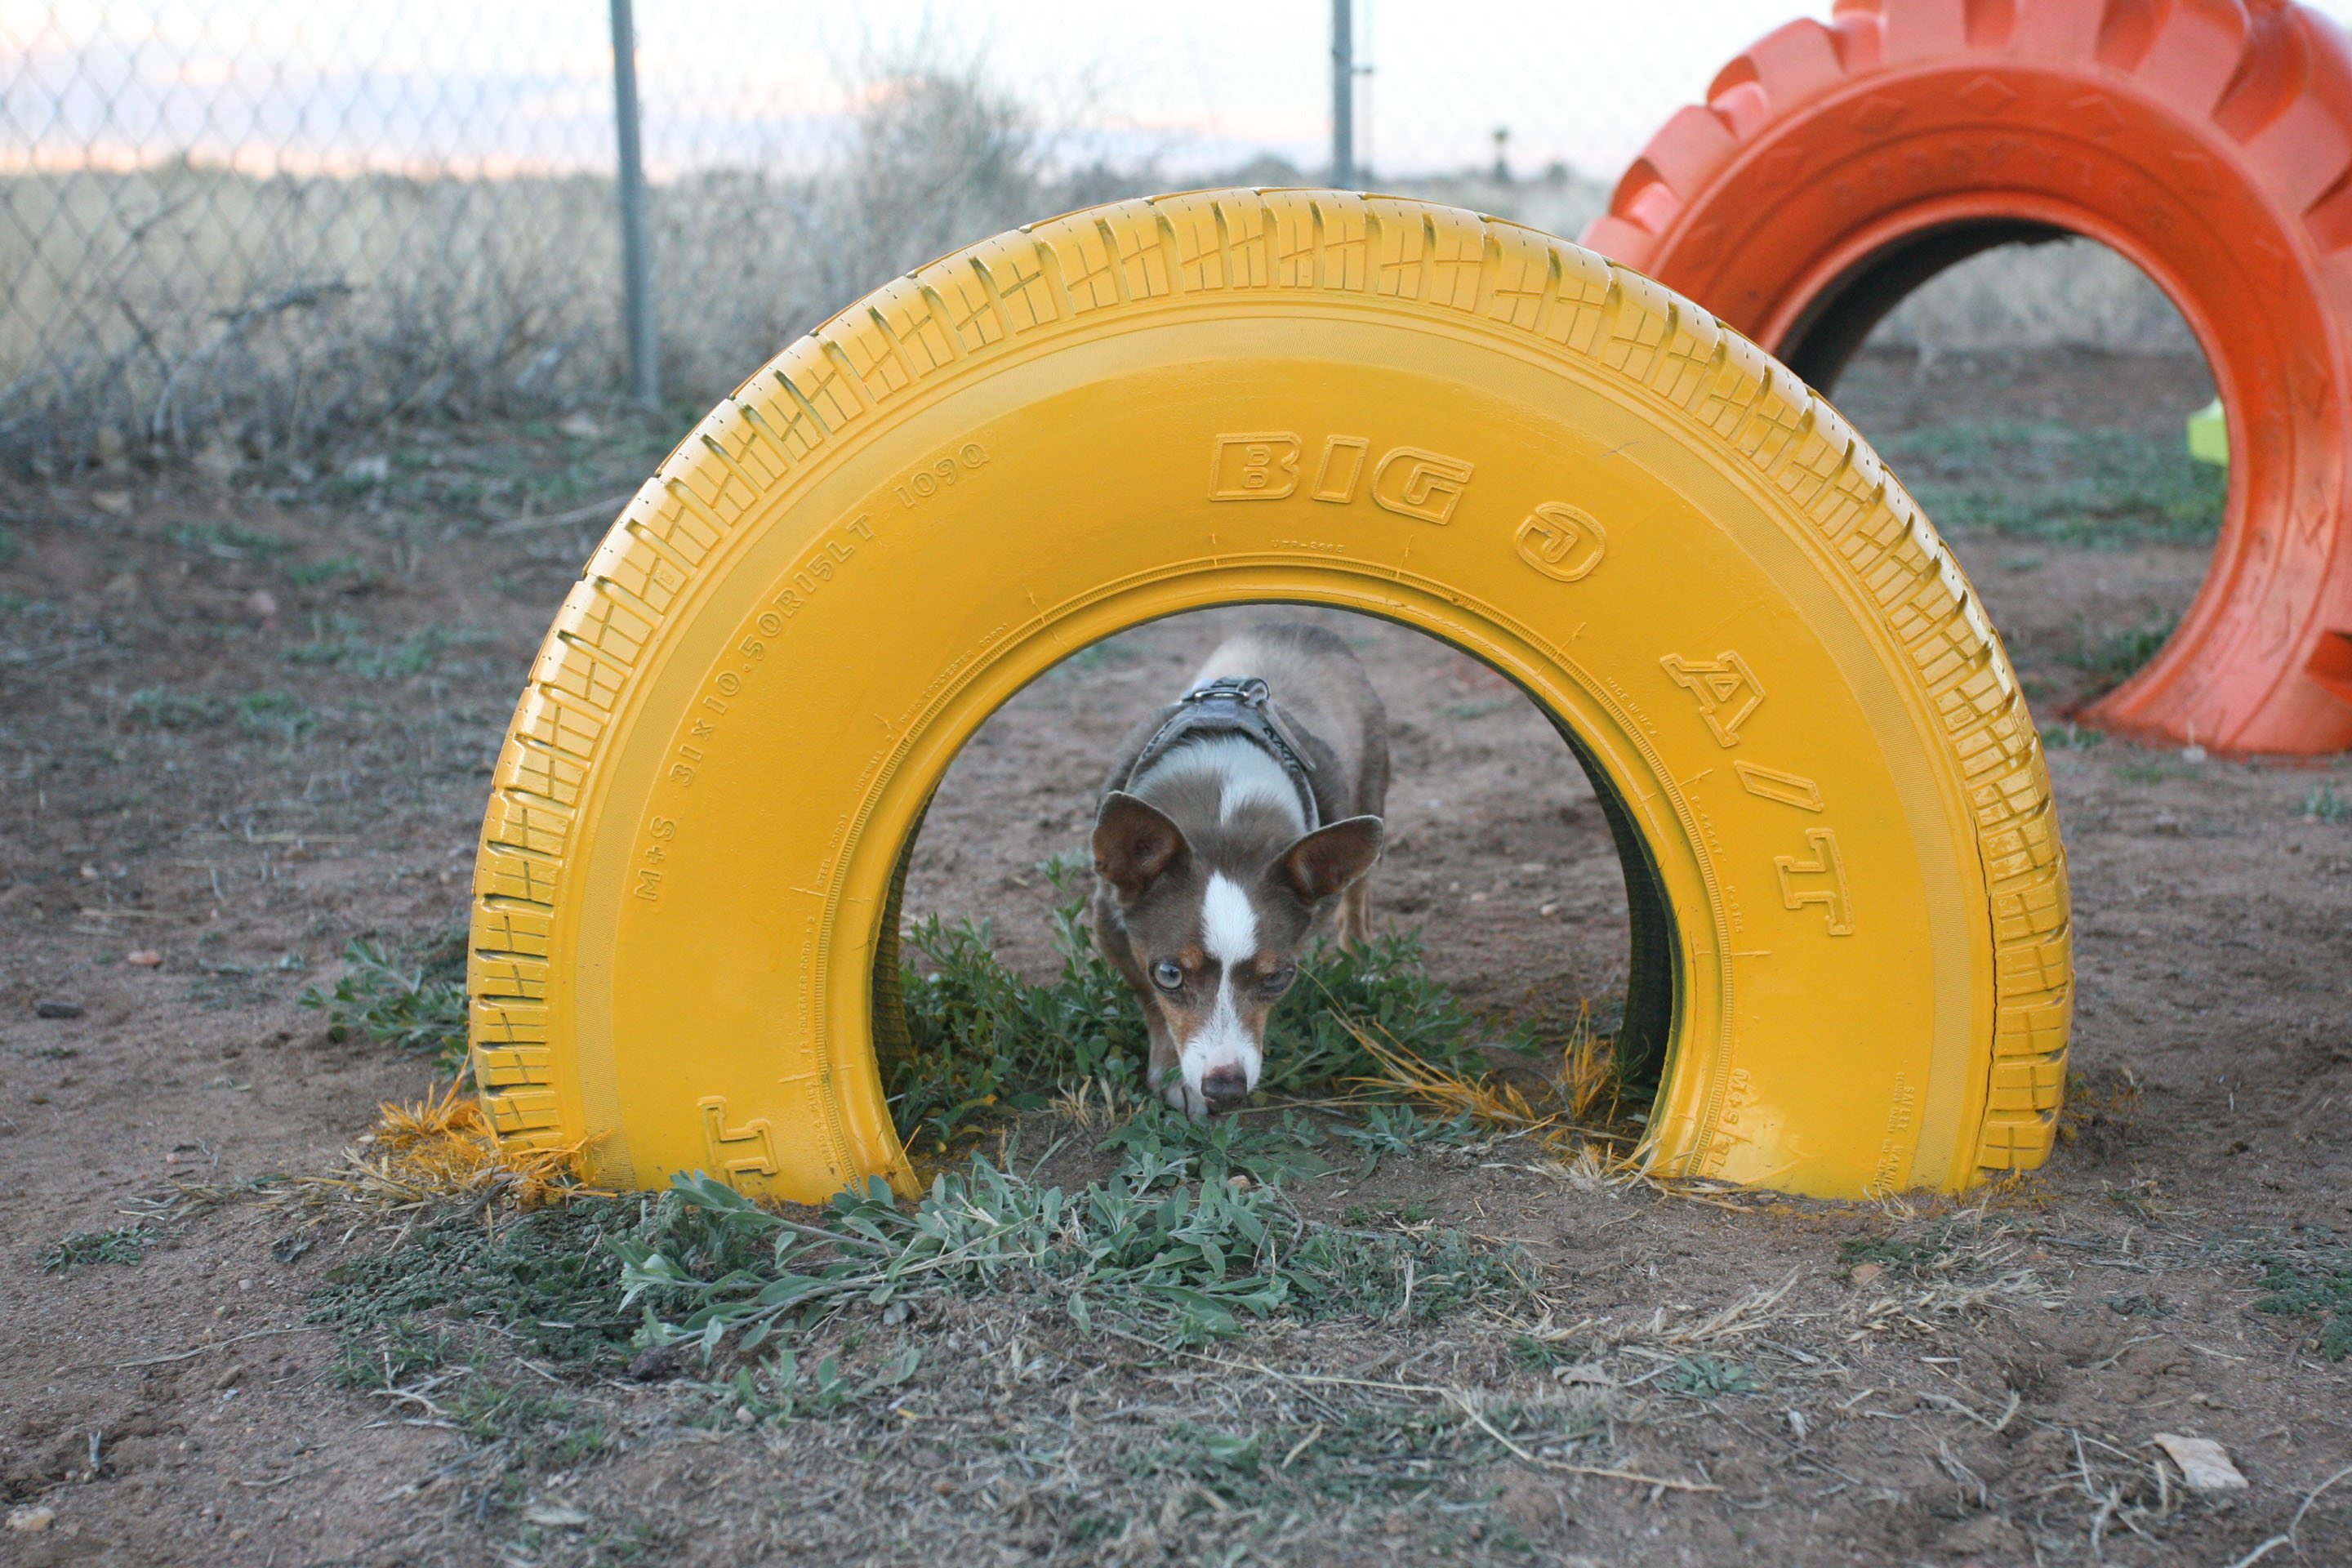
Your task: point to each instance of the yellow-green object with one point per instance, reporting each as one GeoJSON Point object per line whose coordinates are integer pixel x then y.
{"type": "Point", "coordinates": [1470, 427]}
{"type": "Point", "coordinates": [2208, 435]}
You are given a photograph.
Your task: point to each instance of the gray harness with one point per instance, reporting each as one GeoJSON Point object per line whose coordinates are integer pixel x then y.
{"type": "Point", "coordinates": [1234, 705]}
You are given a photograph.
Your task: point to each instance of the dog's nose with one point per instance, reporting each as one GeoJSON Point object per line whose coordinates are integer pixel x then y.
{"type": "Point", "coordinates": [1223, 1087]}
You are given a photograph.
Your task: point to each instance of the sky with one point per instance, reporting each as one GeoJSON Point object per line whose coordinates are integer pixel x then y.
{"type": "Point", "coordinates": [474, 86]}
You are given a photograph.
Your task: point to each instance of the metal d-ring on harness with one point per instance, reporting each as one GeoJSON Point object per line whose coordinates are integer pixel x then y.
{"type": "Point", "coordinates": [1234, 705]}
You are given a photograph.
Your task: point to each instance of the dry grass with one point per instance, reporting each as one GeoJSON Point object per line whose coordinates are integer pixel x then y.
{"type": "Point", "coordinates": [1487, 1101]}
{"type": "Point", "coordinates": [181, 309]}
{"type": "Point", "coordinates": [440, 1151]}
{"type": "Point", "coordinates": [1559, 1116]}
{"type": "Point", "coordinates": [1092, 1105]}
{"type": "Point", "coordinates": [1588, 1071]}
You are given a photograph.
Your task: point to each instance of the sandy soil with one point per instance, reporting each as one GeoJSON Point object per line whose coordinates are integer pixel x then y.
{"type": "Point", "coordinates": [240, 725]}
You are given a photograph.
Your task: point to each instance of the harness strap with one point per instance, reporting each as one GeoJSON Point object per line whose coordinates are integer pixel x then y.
{"type": "Point", "coordinates": [1234, 705]}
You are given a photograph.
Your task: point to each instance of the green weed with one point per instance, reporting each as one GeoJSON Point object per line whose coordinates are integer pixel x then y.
{"type": "Point", "coordinates": [128, 1244]}
{"type": "Point", "coordinates": [1158, 1137]}
{"type": "Point", "coordinates": [279, 715]}
{"type": "Point", "coordinates": [1386, 1453]}
{"type": "Point", "coordinates": [1146, 1248]}
{"type": "Point", "coordinates": [2310, 1276]}
{"type": "Point", "coordinates": [419, 1005]}
{"type": "Point", "coordinates": [550, 1277]}
{"type": "Point", "coordinates": [1705, 1377]}
{"type": "Point", "coordinates": [341, 644]}
{"type": "Point", "coordinates": [224, 540]}
{"type": "Point", "coordinates": [984, 1039]}
{"type": "Point", "coordinates": [2322, 803]}
{"type": "Point", "coordinates": [783, 1389]}
{"type": "Point", "coordinates": [1544, 1355]}
{"type": "Point", "coordinates": [10, 547]}
{"type": "Point", "coordinates": [2070, 736]}
{"type": "Point", "coordinates": [2109, 657]}
{"type": "Point", "coordinates": [390, 1358]}
{"type": "Point", "coordinates": [1894, 1254]}
{"type": "Point", "coordinates": [1398, 1129]}
{"type": "Point", "coordinates": [536, 1423]}
{"type": "Point", "coordinates": [2061, 484]}
{"type": "Point", "coordinates": [313, 573]}
{"type": "Point", "coordinates": [161, 710]}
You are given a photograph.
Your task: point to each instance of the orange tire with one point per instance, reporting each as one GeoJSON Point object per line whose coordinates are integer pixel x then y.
{"type": "Point", "coordinates": [1833, 169]}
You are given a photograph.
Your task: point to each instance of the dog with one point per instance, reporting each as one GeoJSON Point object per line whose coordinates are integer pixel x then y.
{"type": "Point", "coordinates": [1232, 824]}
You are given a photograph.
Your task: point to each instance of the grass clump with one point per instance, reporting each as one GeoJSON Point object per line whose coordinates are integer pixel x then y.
{"type": "Point", "coordinates": [343, 645]}
{"type": "Point", "coordinates": [1179, 1244]}
{"type": "Point", "coordinates": [418, 1004]}
{"type": "Point", "coordinates": [1709, 1377]}
{"type": "Point", "coordinates": [1191, 1240]}
{"type": "Point", "coordinates": [1399, 1130]}
{"type": "Point", "coordinates": [982, 1040]}
{"type": "Point", "coordinates": [1379, 1452]}
{"type": "Point", "coordinates": [317, 573]}
{"type": "Point", "coordinates": [1960, 1243]}
{"type": "Point", "coordinates": [550, 1277]}
{"type": "Point", "coordinates": [161, 710]}
{"type": "Point", "coordinates": [2108, 490]}
{"type": "Point", "coordinates": [125, 1244]}
{"type": "Point", "coordinates": [2070, 736]}
{"type": "Point", "coordinates": [2322, 803]}
{"type": "Point", "coordinates": [277, 715]}
{"type": "Point", "coordinates": [2109, 657]}
{"type": "Point", "coordinates": [2311, 1277]}
{"type": "Point", "coordinates": [543, 1428]}
{"type": "Point", "coordinates": [227, 541]}
{"type": "Point", "coordinates": [1892, 1254]}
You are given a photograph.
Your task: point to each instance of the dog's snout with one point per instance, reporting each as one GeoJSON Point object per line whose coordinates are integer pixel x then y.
{"type": "Point", "coordinates": [1224, 1085]}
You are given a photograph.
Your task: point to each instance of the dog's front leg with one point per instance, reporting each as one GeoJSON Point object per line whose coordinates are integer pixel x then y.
{"type": "Point", "coordinates": [1167, 1073]}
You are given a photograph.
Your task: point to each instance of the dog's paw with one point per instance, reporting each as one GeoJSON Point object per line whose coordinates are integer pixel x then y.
{"type": "Point", "coordinates": [1183, 1097]}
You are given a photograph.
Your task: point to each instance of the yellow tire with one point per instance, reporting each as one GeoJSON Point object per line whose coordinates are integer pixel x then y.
{"type": "Point", "coordinates": [1834, 808]}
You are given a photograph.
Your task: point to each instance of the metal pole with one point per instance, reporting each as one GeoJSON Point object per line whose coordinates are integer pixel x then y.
{"type": "Point", "coordinates": [1343, 95]}
{"type": "Point", "coordinates": [636, 249]}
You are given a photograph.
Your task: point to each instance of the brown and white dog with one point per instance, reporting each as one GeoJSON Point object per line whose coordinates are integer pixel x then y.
{"type": "Point", "coordinates": [1232, 822]}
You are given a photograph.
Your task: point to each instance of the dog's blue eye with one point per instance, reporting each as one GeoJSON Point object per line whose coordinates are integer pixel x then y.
{"type": "Point", "coordinates": [1167, 975]}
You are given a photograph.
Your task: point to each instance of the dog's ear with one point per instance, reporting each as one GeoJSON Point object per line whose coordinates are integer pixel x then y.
{"type": "Point", "coordinates": [1329, 858]}
{"type": "Point", "coordinates": [1136, 844]}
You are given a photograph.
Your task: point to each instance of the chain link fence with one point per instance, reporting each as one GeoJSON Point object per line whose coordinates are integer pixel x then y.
{"type": "Point", "coordinates": [228, 227]}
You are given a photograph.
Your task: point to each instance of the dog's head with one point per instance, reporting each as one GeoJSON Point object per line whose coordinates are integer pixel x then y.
{"type": "Point", "coordinates": [1216, 926]}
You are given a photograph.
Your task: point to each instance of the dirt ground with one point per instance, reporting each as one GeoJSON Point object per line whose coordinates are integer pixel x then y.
{"type": "Point", "coordinates": [245, 717]}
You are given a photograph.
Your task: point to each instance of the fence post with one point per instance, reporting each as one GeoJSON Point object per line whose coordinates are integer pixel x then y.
{"type": "Point", "coordinates": [636, 250]}
{"type": "Point", "coordinates": [1343, 95]}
